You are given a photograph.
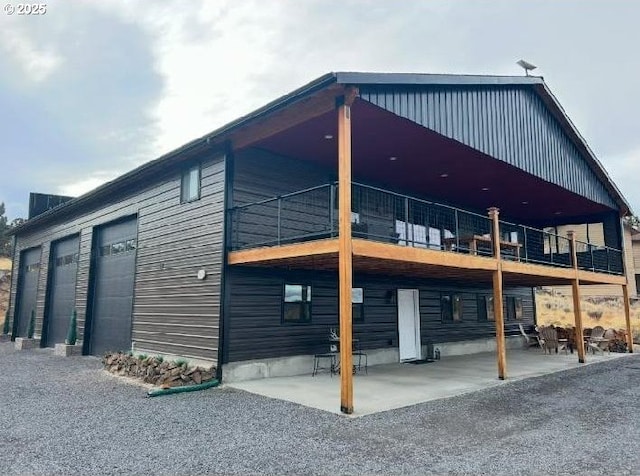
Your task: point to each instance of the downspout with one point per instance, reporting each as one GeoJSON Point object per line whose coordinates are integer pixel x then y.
{"type": "Point", "coordinates": [223, 333]}
{"type": "Point", "coordinates": [14, 279]}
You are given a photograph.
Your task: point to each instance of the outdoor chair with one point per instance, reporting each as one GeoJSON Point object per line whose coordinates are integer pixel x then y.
{"type": "Point", "coordinates": [566, 339]}
{"type": "Point", "coordinates": [596, 342]}
{"type": "Point", "coordinates": [530, 339]}
{"type": "Point", "coordinates": [611, 336]}
{"type": "Point", "coordinates": [360, 358]}
{"type": "Point", "coordinates": [548, 339]}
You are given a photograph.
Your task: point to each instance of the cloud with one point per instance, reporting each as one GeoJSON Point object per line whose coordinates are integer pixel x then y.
{"type": "Point", "coordinates": [210, 56]}
{"type": "Point", "coordinates": [90, 113]}
{"type": "Point", "coordinates": [625, 172]}
{"type": "Point", "coordinates": [37, 62]}
{"type": "Point", "coordinates": [105, 86]}
{"type": "Point", "coordinates": [80, 187]}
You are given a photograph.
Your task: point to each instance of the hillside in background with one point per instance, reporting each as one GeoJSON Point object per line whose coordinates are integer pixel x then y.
{"type": "Point", "coordinates": [554, 308]}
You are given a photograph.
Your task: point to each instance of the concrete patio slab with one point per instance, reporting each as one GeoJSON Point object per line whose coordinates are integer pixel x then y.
{"type": "Point", "coordinates": [387, 387]}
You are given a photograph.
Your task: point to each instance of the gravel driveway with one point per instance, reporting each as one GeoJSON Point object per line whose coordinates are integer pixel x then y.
{"type": "Point", "coordinates": [65, 416]}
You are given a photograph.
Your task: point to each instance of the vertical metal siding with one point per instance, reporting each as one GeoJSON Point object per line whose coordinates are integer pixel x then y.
{"type": "Point", "coordinates": [510, 123]}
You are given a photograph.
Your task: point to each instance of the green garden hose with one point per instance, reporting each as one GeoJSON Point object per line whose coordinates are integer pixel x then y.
{"type": "Point", "coordinates": [186, 388]}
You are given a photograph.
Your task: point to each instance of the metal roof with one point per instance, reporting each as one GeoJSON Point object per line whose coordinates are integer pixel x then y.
{"type": "Point", "coordinates": [345, 78]}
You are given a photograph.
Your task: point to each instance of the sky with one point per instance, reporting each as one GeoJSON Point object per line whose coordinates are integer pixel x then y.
{"type": "Point", "coordinates": [90, 90]}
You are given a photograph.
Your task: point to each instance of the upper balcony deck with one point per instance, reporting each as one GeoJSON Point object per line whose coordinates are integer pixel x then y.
{"type": "Point", "coordinates": [300, 229]}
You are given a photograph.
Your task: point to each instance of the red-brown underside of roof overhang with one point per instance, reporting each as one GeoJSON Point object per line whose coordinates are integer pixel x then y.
{"type": "Point", "coordinates": [423, 157]}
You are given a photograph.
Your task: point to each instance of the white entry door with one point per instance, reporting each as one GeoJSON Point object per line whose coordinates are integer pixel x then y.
{"type": "Point", "coordinates": [409, 324]}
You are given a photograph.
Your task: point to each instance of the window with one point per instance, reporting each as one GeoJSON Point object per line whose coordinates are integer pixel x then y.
{"type": "Point", "coordinates": [451, 306]}
{"type": "Point", "coordinates": [417, 234]}
{"type": "Point", "coordinates": [357, 304]}
{"type": "Point", "coordinates": [297, 304]}
{"type": "Point", "coordinates": [117, 248]}
{"type": "Point", "coordinates": [485, 308]}
{"type": "Point", "coordinates": [190, 189]}
{"type": "Point", "coordinates": [514, 308]}
{"type": "Point", "coordinates": [33, 267]}
{"type": "Point", "coordinates": [67, 259]}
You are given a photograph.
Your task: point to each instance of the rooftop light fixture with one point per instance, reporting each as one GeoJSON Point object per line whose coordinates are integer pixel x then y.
{"type": "Point", "coordinates": [526, 66]}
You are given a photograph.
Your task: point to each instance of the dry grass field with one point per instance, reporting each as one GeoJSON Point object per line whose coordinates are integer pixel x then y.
{"type": "Point", "coordinates": [5, 264]}
{"type": "Point", "coordinates": [556, 309]}
{"type": "Point", "coordinates": [5, 269]}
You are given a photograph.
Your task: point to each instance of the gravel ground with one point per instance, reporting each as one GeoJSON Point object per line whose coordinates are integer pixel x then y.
{"type": "Point", "coordinates": [65, 416]}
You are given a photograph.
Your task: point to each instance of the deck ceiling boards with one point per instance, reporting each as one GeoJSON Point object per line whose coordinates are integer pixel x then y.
{"type": "Point", "coordinates": [423, 156]}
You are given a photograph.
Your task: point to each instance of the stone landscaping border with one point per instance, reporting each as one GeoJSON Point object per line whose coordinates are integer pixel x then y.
{"type": "Point", "coordinates": [155, 370]}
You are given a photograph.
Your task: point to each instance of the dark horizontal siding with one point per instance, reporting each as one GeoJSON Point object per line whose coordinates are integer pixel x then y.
{"type": "Point", "coordinates": [259, 175]}
{"type": "Point", "coordinates": [173, 311]}
{"type": "Point", "coordinates": [185, 317]}
{"type": "Point", "coordinates": [510, 123]}
{"type": "Point", "coordinates": [255, 308]}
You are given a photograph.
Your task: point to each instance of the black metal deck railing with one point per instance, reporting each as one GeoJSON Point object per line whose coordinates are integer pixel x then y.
{"type": "Point", "coordinates": [389, 217]}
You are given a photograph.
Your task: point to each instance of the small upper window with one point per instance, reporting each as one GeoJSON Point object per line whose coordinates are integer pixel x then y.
{"type": "Point", "coordinates": [297, 303]}
{"type": "Point", "coordinates": [451, 306]}
{"type": "Point", "coordinates": [514, 308]}
{"type": "Point", "coordinates": [485, 308]}
{"type": "Point", "coordinates": [190, 189]}
{"type": "Point", "coordinates": [357, 305]}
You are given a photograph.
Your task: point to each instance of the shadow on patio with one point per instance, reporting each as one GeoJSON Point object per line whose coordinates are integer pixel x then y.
{"type": "Point", "coordinates": [392, 386]}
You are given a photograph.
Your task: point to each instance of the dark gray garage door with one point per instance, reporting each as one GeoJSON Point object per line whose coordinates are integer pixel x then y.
{"type": "Point", "coordinates": [26, 300]}
{"type": "Point", "coordinates": [62, 289]}
{"type": "Point", "coordinates": [114, 257]}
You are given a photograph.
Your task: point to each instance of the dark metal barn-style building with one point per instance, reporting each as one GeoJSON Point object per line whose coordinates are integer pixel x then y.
{"type": "Point", "coordinates": [403, 209]}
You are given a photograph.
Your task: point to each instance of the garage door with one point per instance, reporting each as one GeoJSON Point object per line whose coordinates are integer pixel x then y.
{"type": "Point", "coordinates": [114, 256]}
{"type": "Point", "coordinates": [62, 289]}
{"type": "Point", "coordinates": [28, 278]}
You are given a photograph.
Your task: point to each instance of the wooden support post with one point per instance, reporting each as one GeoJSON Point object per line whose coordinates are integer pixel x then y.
{"type": "Point", "coordinates": [497, 295]}
{"type": "Point", "coordinates": [345, 253]}
{"type": "Point", "coordinates": [627, 316]}
{"type": "Point", "coordinates": [575, 288]}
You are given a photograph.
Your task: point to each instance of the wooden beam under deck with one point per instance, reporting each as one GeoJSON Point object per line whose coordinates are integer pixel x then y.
{"type": "Point", "coordinates": [393, 260]}
{"type": "Point", "coordinates": [627, 317]}
{"type": "Point", "coordinates": [345, 254]}
{"type": "Point", "coordinates": [498, 309]}
{"type": "Point", "coordinates": [273, 254]}
{"type": "Point", "coordinates": [575, 292]}
{"type": "Point", "coordinates": [589, 277]}
{"type": "Point", "coordinates": [391, 252]}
